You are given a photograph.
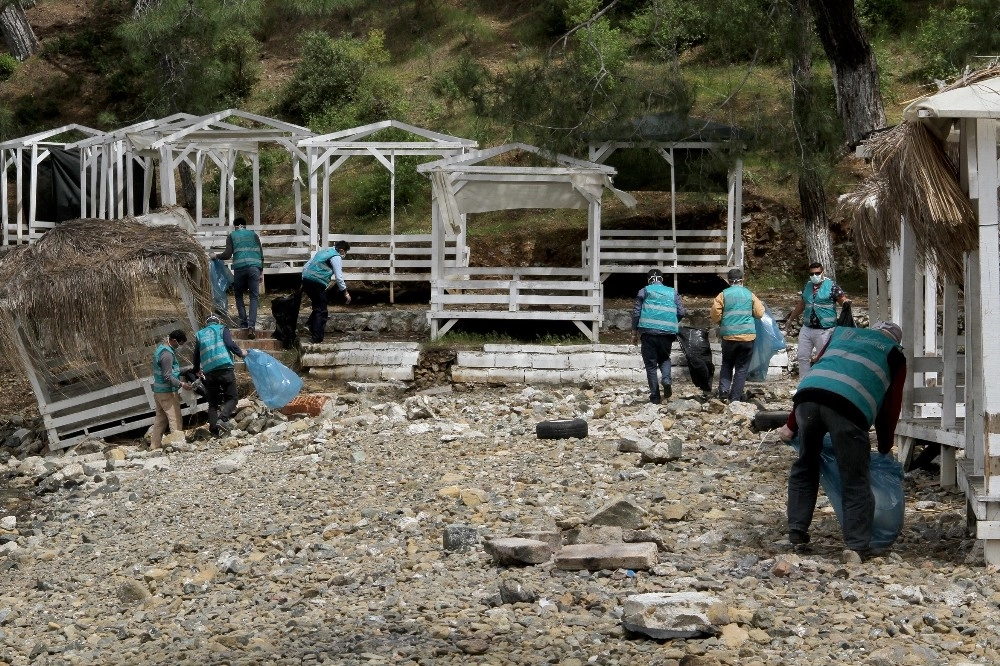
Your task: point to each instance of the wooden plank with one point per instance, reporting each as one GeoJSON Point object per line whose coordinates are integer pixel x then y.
{"type": "Point", "coordinates": [930, 430]}
{"type": "Point", "coordinates": [504, 314]}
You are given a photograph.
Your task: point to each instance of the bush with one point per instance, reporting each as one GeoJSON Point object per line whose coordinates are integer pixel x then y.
{"type": "Point", "coordinates": [332, 72]}
{"type": "Point", "coordinates": [239, 58]}
{"type": "Point", "coordinates": [466, 81]}
{"type": "Point", "coordinates": [8, 65]}
{"type": "Point", "coordinates": [942, 38]}
{"type": "Point", "coordinates": [372, 192]}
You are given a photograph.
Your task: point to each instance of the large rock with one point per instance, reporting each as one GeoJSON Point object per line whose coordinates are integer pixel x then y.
{"type": "Point", "coordinates": [513, 550]}
{"type": "Point", "coordinates": [665, 615]}
{"type": "Point", "coordinates": [622, 513]}
{"type": "Point", "coordinates": [594, 557]}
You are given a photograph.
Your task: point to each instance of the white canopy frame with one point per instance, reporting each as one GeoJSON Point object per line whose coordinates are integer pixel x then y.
{"type": "Point", "coordinates": [23, 226]}
{"type": "Point", "coordinates": [600, 151]}
{"type": "Point", "coordinates": [328, 152]}
{"type": "Point", "coordinates": [197, 141]}
{"type": "Point", "coordinates": [960, 387]}
{"type": "Point", "coordinates": [462, 185]}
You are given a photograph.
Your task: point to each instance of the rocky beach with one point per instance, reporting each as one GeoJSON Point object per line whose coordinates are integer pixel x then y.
{"type": "Point", "coordinates": [399, 527]}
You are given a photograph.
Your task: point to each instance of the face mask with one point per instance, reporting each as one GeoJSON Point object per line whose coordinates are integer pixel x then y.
{"type": "Point", "coordinates": [816, 279]}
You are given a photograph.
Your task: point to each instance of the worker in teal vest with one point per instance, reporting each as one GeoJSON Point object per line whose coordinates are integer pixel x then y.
{"type": "Point", "coordinates": [856, 382]}
{"type": "Point", "coordinates": [244, 248]}
{"type": "Point", "coordinates": [655, 316]}
{"type": "Point", "coordinates": [213, 362]}
{"type": "Point", "coordinates": [325, 265]}
{"type": "Point", "coordinates": [734, 310]}
{"type": "Point", "coordinates": [817, 302]}
{"type": "Point", "coordinates": [166, 382]}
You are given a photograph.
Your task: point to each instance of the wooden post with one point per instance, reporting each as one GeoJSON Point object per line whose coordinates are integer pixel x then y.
{"type": "Point", "coordinates": [949, 376]}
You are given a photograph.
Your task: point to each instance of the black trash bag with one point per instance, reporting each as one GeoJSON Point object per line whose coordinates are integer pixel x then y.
{"type": "Point", "coordinates": [286, 318]}
{"type": "Point", "coordinates": [694, 342]}
{"type": "Point", "coordinates": [846, 317]}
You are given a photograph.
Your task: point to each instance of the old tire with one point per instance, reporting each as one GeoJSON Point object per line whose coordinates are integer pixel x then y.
{"type": "Point", "coordinates": [769, 420]}
{"type": "Point", "coordinates": [561, 429]}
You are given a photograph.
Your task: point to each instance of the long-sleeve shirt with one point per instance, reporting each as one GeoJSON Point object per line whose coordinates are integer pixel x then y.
{"type": "Point", "coordinates": [336, 263]}
{"type": "Point", "coordinates": [719, 304]}
{"type": "Point", "coordinates": [166, 361]}
{"type": "Point", "coordinates": [637, 310]}
{"type": "Point", "coordinates": [888, 414]}
{"type": "Point", "coordinates": [227, 340]}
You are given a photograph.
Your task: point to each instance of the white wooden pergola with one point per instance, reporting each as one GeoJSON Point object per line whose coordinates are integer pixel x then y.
{"type": "Point", "coordinates": [665, 134]}
{"type": "Point", "coordinates": [328, 152]}
{"type": "Point", "coordinates": [164, 144]}
{"type": "Point", "coordinates": [951, 397]}
{"type": "Point", "coordinates": [464, 184]}
{"type": "Point", "coordinates": [24, 226]}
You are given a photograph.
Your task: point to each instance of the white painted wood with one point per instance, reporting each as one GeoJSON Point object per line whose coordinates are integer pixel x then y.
{"type": "Point", "coordinates": [952, 362]}
{"type": "Point", "coordinates": [989, 297]}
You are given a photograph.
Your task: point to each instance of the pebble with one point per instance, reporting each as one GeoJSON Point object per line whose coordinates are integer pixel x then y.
{"type": "Point", "coordinates": [354, 537]}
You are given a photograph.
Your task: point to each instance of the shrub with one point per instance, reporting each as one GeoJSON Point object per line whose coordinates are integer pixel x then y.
{"type": "Point", "coordinates": [332, 71]}
{"type": "Point", "coordinates": [8, 65]}
{"type": "Point", "coordinates": [942, 38]}
{"type": "Point", "coordinates": [372, 192]}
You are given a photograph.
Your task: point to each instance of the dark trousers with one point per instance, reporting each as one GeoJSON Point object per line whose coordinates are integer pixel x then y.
{"type": "Point", "coordinates": [247, 280]}
{"type": "Point", "coordinates": [853, 452]}
{"type": "Point", "coordinates": [656, 356]}
{"type": "Point", "coordinates": [317, 318]}
{"type": "Point", "coordinates": [221, 385]}
{"type": "Point", "coordinates": [736, 357]}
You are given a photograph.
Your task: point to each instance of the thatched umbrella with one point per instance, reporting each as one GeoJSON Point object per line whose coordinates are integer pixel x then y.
{"type": "Point", "coordinates": [915, 181]}
{"type": "Point", "coordinates": [80, 292]}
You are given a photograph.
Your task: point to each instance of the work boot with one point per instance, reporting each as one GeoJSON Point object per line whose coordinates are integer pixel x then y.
{"type": "Point", "coordinates": [667, 391]}
{"type": "Point", "coordinates": [251, 334]}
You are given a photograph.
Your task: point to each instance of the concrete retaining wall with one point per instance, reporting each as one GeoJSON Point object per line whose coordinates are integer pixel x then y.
{"type": "Point", "coordinates": [529, 364]}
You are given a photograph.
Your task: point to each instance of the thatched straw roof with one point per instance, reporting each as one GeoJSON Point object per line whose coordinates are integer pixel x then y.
{"type": "Point", "coordinates": [82, 291]}
{"type": "Point", "coordinates": [914, 180]}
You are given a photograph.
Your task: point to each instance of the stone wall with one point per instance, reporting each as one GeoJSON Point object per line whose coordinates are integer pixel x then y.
{"type": "Point", "coordinates": [494, 363]}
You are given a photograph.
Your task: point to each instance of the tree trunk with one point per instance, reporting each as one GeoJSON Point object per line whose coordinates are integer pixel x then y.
{"type": "Point", "coordinates": [189, 190]}
{"type": "Point", "coordinates": [17, 32]}
{"type": "Point", "coordinates": [812, 197]}
{"type": "Point", "coordinates": [855, 71]}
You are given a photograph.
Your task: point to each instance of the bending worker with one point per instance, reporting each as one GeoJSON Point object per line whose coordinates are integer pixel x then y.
{"type": "Point", "coordinates": [857, 381]}
{"type": "Point", "coordinates": [214, 364]}
{"type": "Point", "coordinates": [316, 275]}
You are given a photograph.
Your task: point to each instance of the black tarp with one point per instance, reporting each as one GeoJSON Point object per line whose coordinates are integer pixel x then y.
{"type": "Point", "coordinates": [57, 185]}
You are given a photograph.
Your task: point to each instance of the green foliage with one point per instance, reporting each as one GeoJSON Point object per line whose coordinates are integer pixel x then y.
{"type": "Point", "coordinates": [238, 55]}
{"type": "Point", "coordinates": [371, 193]}
{"type": "Point", "coordinates": [9, 128]}
{"type": "Point", "coordinates": [268, 158]}
{"type": "Point", "coordinates": [468, 81]}
{"type": "Point", "coordinates": [949, 37]}
{"type": "Point", "coordinates": [8, 65]}
{"type": "Point", "coordinates": [192, 55]}
{"type": "Point", "coordinates": [669, 26]}
{"type": "Point", "coordinates": [341, 82]}
{"type": "Point", "coordinates": [879, 15]}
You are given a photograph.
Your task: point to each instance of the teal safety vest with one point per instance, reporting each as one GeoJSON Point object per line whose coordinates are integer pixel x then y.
{"type": "Point", "coordinates": [318, 268]}
{"type": "Point", "coordinates": [737, 312]}
{"type": "Point", "coordinates": [659, 311]}
{"type": "Point", "coordinates": [855, 365]}
{"type": "Point", "coordinates": [160, 383]}
{"type": "Point", "coordinates": [212, 349]}
{"type": "Point", "coordinates": [246, 250]}
{"type": "Point", "coordinates": [821, 303]}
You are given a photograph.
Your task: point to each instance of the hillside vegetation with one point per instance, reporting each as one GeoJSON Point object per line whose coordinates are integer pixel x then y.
{"type": "Point", "coordinates": [545, 72]}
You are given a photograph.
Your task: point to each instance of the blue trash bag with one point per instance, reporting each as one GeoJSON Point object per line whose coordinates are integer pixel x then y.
{"type": "Point", "coordinates": [221, 277]}
{"type": "Point", "coordinates": [770, 340]}
{"type": "Point", "coordinates": [887, 487]}
{"type": "Point", "coordinates": [276, 384]}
